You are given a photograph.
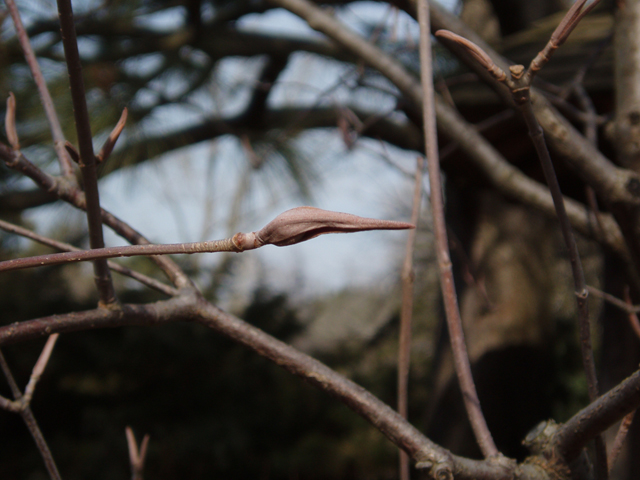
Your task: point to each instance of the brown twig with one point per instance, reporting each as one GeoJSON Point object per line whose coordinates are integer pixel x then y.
{"type": "Point", "coordinates": [632, 316]}
{"type": "Point", "coordinates": [560, 35]}
{"type": "Point", "coordinates": [190, 306]}
{"type": "Point", "coordinates": [607, 297]}
{"type": "Point", "coordinates": [65, 247]}
{"type": "Point", "coordinates": [87, 163]}
{"type": "Point", "coordinates": [39, 367]}
{"type": "Point", "coordinates": [293, 226]}
{"type": "Point", "coordinates": [406, 313]}
{"type": "Point", "coordinates": [45, 97]}
{"type": "Point", "coordinates": [454, 322]}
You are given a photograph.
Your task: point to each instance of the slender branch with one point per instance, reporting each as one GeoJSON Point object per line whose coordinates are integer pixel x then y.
{"type": "Point", "coordinates": [406, 313]}
{"type": "Point", "coordinates": [30, 421]}
{"type": "Point", "coordinates": [389, 422]}
{"type": "Point", "coordinates": [293, 226]}
{"type": "Point", "coordinates": [535, 131]}
{"type": "Point", "coordinates": [65, 247]}
{"type": "Point", "coordinates": [113, 252]}
{"type": "Point", "coordinates": [45, 96]}
{"type": "Point", "coordinates": [607, 297]}
{"type": "Point", "coordinates": [594, 419]}
{"type": "Point", "coordinates": [618, 442]}
{"type": "Point", "coordinates": [454, 322]}
{"type": "Point", "coordinates": [519, 84]}
{"type": "Point", "coordinates": [15, 390]}
{"type": "Point", "coordinates": [45, 452]}
{"type": "Point", "coordinates": [38, 368]}
{"type": "Point", "coordinates": [69, 192]}
{"type": "Point", "coordinates": [87, 158]}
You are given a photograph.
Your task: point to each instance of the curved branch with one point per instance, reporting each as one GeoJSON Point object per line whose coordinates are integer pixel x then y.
{"type": "Point", "coordinates": [191, 307]}
{"type": "Point", "coordinates": [594, 419]}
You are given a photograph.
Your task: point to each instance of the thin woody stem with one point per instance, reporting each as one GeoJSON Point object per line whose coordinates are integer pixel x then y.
{"type": "Point", "coordinates": [580, 285]}
{"type": "Point", "coordinates": [69, 191]}
{"type": "Point", "coordinates": [30, 421]}
{"type": "Point", "coordinates": [38, 368]}
{"type": "Point", "coordinates": [87, 163]}
{"type": "Point", "coordinates": [226, 245]}
{"type": "Point", "coordinates": [65, 247]}
{"type": "Point", "coordinates": [618, 442]}
{"type": "Point", "coordinates": [45, 96]}
{"type": "Point", "coordinates": [454, 322]}
{"type": "Point", "coordinates": [408, 274]}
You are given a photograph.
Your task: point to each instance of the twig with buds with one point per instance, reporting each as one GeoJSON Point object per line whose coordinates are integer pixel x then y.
{"type": "Point", "coordinates": [293, 226]}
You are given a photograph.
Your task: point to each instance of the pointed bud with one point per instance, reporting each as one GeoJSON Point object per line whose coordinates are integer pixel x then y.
{"type": "Point", "coordinates": [110, 142]}
{"type": "Point", "coordinates": [304, 223]}
{"type": "Point", "coordinates": [475, 51]}
{"type": "Point", "coordinates": [10, 122]}
{"type": "Point", "coordinates": [71, 150]}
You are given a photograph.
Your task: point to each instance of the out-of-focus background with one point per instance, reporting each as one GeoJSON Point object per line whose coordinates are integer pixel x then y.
{"type": "Point", "coordinates": [237, 112]}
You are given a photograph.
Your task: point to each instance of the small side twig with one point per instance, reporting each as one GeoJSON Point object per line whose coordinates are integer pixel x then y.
{"type": "Point", "coordinates": [607, 297]}
{"type": "Point", "coordinates": [65, 247]}
{"type": "Point", "coordinates": [39, 367]}
{"type": "Point", "coordinates": [404, 350]}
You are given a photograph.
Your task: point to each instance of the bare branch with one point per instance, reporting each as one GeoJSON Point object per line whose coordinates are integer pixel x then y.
{"type": "Point", "coordinates": [65, 247]}
{"type": "Point", "coordinates": [45, 96]}
{"type": "Point", "coordinates": [594, 419]}
{"type": "Point", "coordinates": [38, 368]}
{"type": "Point", "coordinates": [454, 322]}
{"type": "Point", "coordinates": [618, 442]}
{"type": "Point", "coordinates": [406, 313]}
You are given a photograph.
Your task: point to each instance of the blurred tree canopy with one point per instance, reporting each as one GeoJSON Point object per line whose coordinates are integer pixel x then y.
{"type": "Point", "coordinates": [198, 70]}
